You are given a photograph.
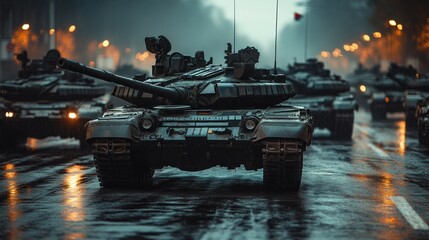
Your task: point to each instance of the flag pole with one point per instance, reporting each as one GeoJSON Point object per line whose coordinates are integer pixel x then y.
{"type": "Point", "coordinates": [306, 35]}
{"type": "Point", "coordinates": [275, 40]}
{"type": "Point", "coordinates": [234, 28]}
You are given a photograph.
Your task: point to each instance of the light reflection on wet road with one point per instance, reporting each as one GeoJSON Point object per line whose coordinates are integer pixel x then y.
{"type": "Point", "coordinates": [346, 193]}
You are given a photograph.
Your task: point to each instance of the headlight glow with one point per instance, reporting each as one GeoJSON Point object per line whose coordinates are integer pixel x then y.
{"type": "Point", "coordinates": [72, 115]}
{"type": "Point", "coordinates": [9, 114]}
{"type": "Point", "coordinates": [362, 88]}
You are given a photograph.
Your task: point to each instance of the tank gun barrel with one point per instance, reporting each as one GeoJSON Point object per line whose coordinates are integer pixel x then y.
{"type": "Point", "coordinates": [173, 94]}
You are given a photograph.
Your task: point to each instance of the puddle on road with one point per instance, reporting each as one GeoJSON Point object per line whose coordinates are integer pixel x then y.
{"type": "Point", "coordinates": [34, 144]}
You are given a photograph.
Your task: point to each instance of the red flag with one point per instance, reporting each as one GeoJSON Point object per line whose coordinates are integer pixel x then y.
{"type": "Point", "coordinates": [297, 16]}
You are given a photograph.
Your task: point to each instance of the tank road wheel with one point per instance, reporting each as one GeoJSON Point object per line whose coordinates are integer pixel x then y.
{"type": "Point", "coordinates": [117, 163]}
{"type": "Point", "coordinates": [282, 162]}
{"type": "Point", "coordinates": [378, 111]}
{"type": "Point", "coordinates": [410, 119]}
{"type": "Point", "coordinates": [424, 134]}
{"type": "Point", "coordinates": [343, 125]}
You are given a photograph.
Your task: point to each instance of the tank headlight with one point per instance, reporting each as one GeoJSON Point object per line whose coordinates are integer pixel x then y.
{"type": "Point", "coordinates": [387, 99]}
{"type": "Point", "coordinates": [250, 123]}
{"type": "Point", "coordinates": [148, 123]}
{"type": "Point", "coordinates": [9, 114]}
{"type": "Point", "coordinates": [72, 115]}
{"type": "Point", "coordinates": [303, 114]}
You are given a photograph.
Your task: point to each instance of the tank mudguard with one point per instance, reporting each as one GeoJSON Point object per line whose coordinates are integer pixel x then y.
{"type": "Point", "coordinates": [378, 97]}
{"type": "Point", "coordinates": [113, 128]}
{"type": "Point", "coordinates": [281, 129]}
{"type": "Point", "coordinates": [345, 103]}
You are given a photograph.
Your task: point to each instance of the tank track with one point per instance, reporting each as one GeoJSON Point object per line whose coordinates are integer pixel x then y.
{"type": "Point", "coordinates": [282, 163]}
{"type": "Point", "coordinates": [378, 111]}
{"type": "Point", "coordinates": [343, 125]}
{"type": "Point", "coordinates": [410, 119]}
{"type": "Point", "coordinates": [117, 165]}
{"type": "Point", "coordinates": [424, 134]}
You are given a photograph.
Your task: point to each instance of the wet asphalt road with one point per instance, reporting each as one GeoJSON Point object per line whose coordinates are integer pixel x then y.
{"type": "Point", "coordinates": [374, 187]}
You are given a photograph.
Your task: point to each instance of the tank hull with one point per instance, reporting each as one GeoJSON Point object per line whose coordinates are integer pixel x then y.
{"type": "Point", "coordinates": [335, 113]}
{"type": "Point", "coordinates": [20, 120]}
{"type": "Point", "coordinates": [194, 140]}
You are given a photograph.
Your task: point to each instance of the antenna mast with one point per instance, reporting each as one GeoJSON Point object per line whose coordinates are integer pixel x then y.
{"type": "Point", "coordinates": [275, 40]}
{"type": "Point", "coordinates": [234, 28]}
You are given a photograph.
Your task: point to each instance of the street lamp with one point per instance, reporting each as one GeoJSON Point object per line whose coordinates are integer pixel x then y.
{"type": "Point", "coordinates": [25, 26]}
{"type": "Point", "coordinates": [366, 37]}
{"type": "Point", "coordinates": [376, 35]}
{"type": "Point", "coordinates": [392, 23]}
{"type": "Point", "coordinates": [105, 43]}
{"type": "Point", "coordinates": [72, 28]}
{"type": "Point", "coordinates": [399, 26]}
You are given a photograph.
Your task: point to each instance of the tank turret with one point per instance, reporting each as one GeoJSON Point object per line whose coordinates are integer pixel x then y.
{"type": "Point", "coordinates": [180, 79]}
{"type": "Point", "coordinates": [313, 79]}
{"type": "Point", "coordinates": [193, 116]}
{"type": "Point", "coordinates": [38, 66]}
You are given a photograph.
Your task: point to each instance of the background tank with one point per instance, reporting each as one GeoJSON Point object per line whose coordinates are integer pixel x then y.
{"type": "Point", "coordinates": [46, 101]}
{"type": "Point", "coordinates": [328, 97]}
{"type": "Point", "coordinates": [194, 116]}
{"type": "Point", "coordinates": [416, 93]}
{"type": "Point", "coordinates": [422, 115]}
{"type": "Point", "coordinates": [359, 80]}
{"type": "Point", "coordinates": [386, 91]}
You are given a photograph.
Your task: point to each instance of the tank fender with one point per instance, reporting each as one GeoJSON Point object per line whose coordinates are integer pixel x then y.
{"type": "Point", "coordinates": [104, 128]}
{"type": "Point", "coordinates": [286, 129]}
{"type": "Point", "coordinates": [378, 97]}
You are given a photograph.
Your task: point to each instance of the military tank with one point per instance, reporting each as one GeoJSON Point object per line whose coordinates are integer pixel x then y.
{"type": "Point", "coordinates": [387, 91]}
{"type": "Point", "coordinates": [46, 101]}
{"type": "Point", "coordinates": [359, 83]}
{"type": "Point", "coordinates": [417, 91]}
{"type": "Point", "coordinates": [193, 116]}
{"type": "Point", "coordinates": [422, 115]}
{"type": "Point", "coordinates": [328, 97]}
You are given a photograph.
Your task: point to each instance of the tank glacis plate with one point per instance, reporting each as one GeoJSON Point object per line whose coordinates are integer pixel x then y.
{"type": "Point", "coordinates": [194, 140]}
{"type": "Point", "coordinates": [40, 119]}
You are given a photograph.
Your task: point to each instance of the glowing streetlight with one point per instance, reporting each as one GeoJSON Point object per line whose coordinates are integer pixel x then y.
{"type": "Point", "coordinates": [392, 23]}
{"type": "Point", "coordinates": [366, 37]}
{"type": "Point", "coordinates": [25, 26]}
{"type": "Point", "coordinates": [399, 26]}
{"type": "Point", "coordinates": [376, 35]}
{"type": "Point", "coordinates": [142, 56]}
{"type": "Point", "coordinates": [346, 47]}
{"type": "Point", "coordinates": [105, 43]}
{"type": "Point", "coordinates": [72, 28]}
{"type": "Point", "coordinates": [325, 54]}
{"type": "Point", "coordinates": [51, 31]}
{"type": "Point", "coordinates": [354, 47]}
{"type": "Point", "coordinates": [336, 53]}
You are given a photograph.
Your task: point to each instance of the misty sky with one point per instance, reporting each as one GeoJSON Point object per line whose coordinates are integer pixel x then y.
{"type": "Point", "coordinates": [193, 25]}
